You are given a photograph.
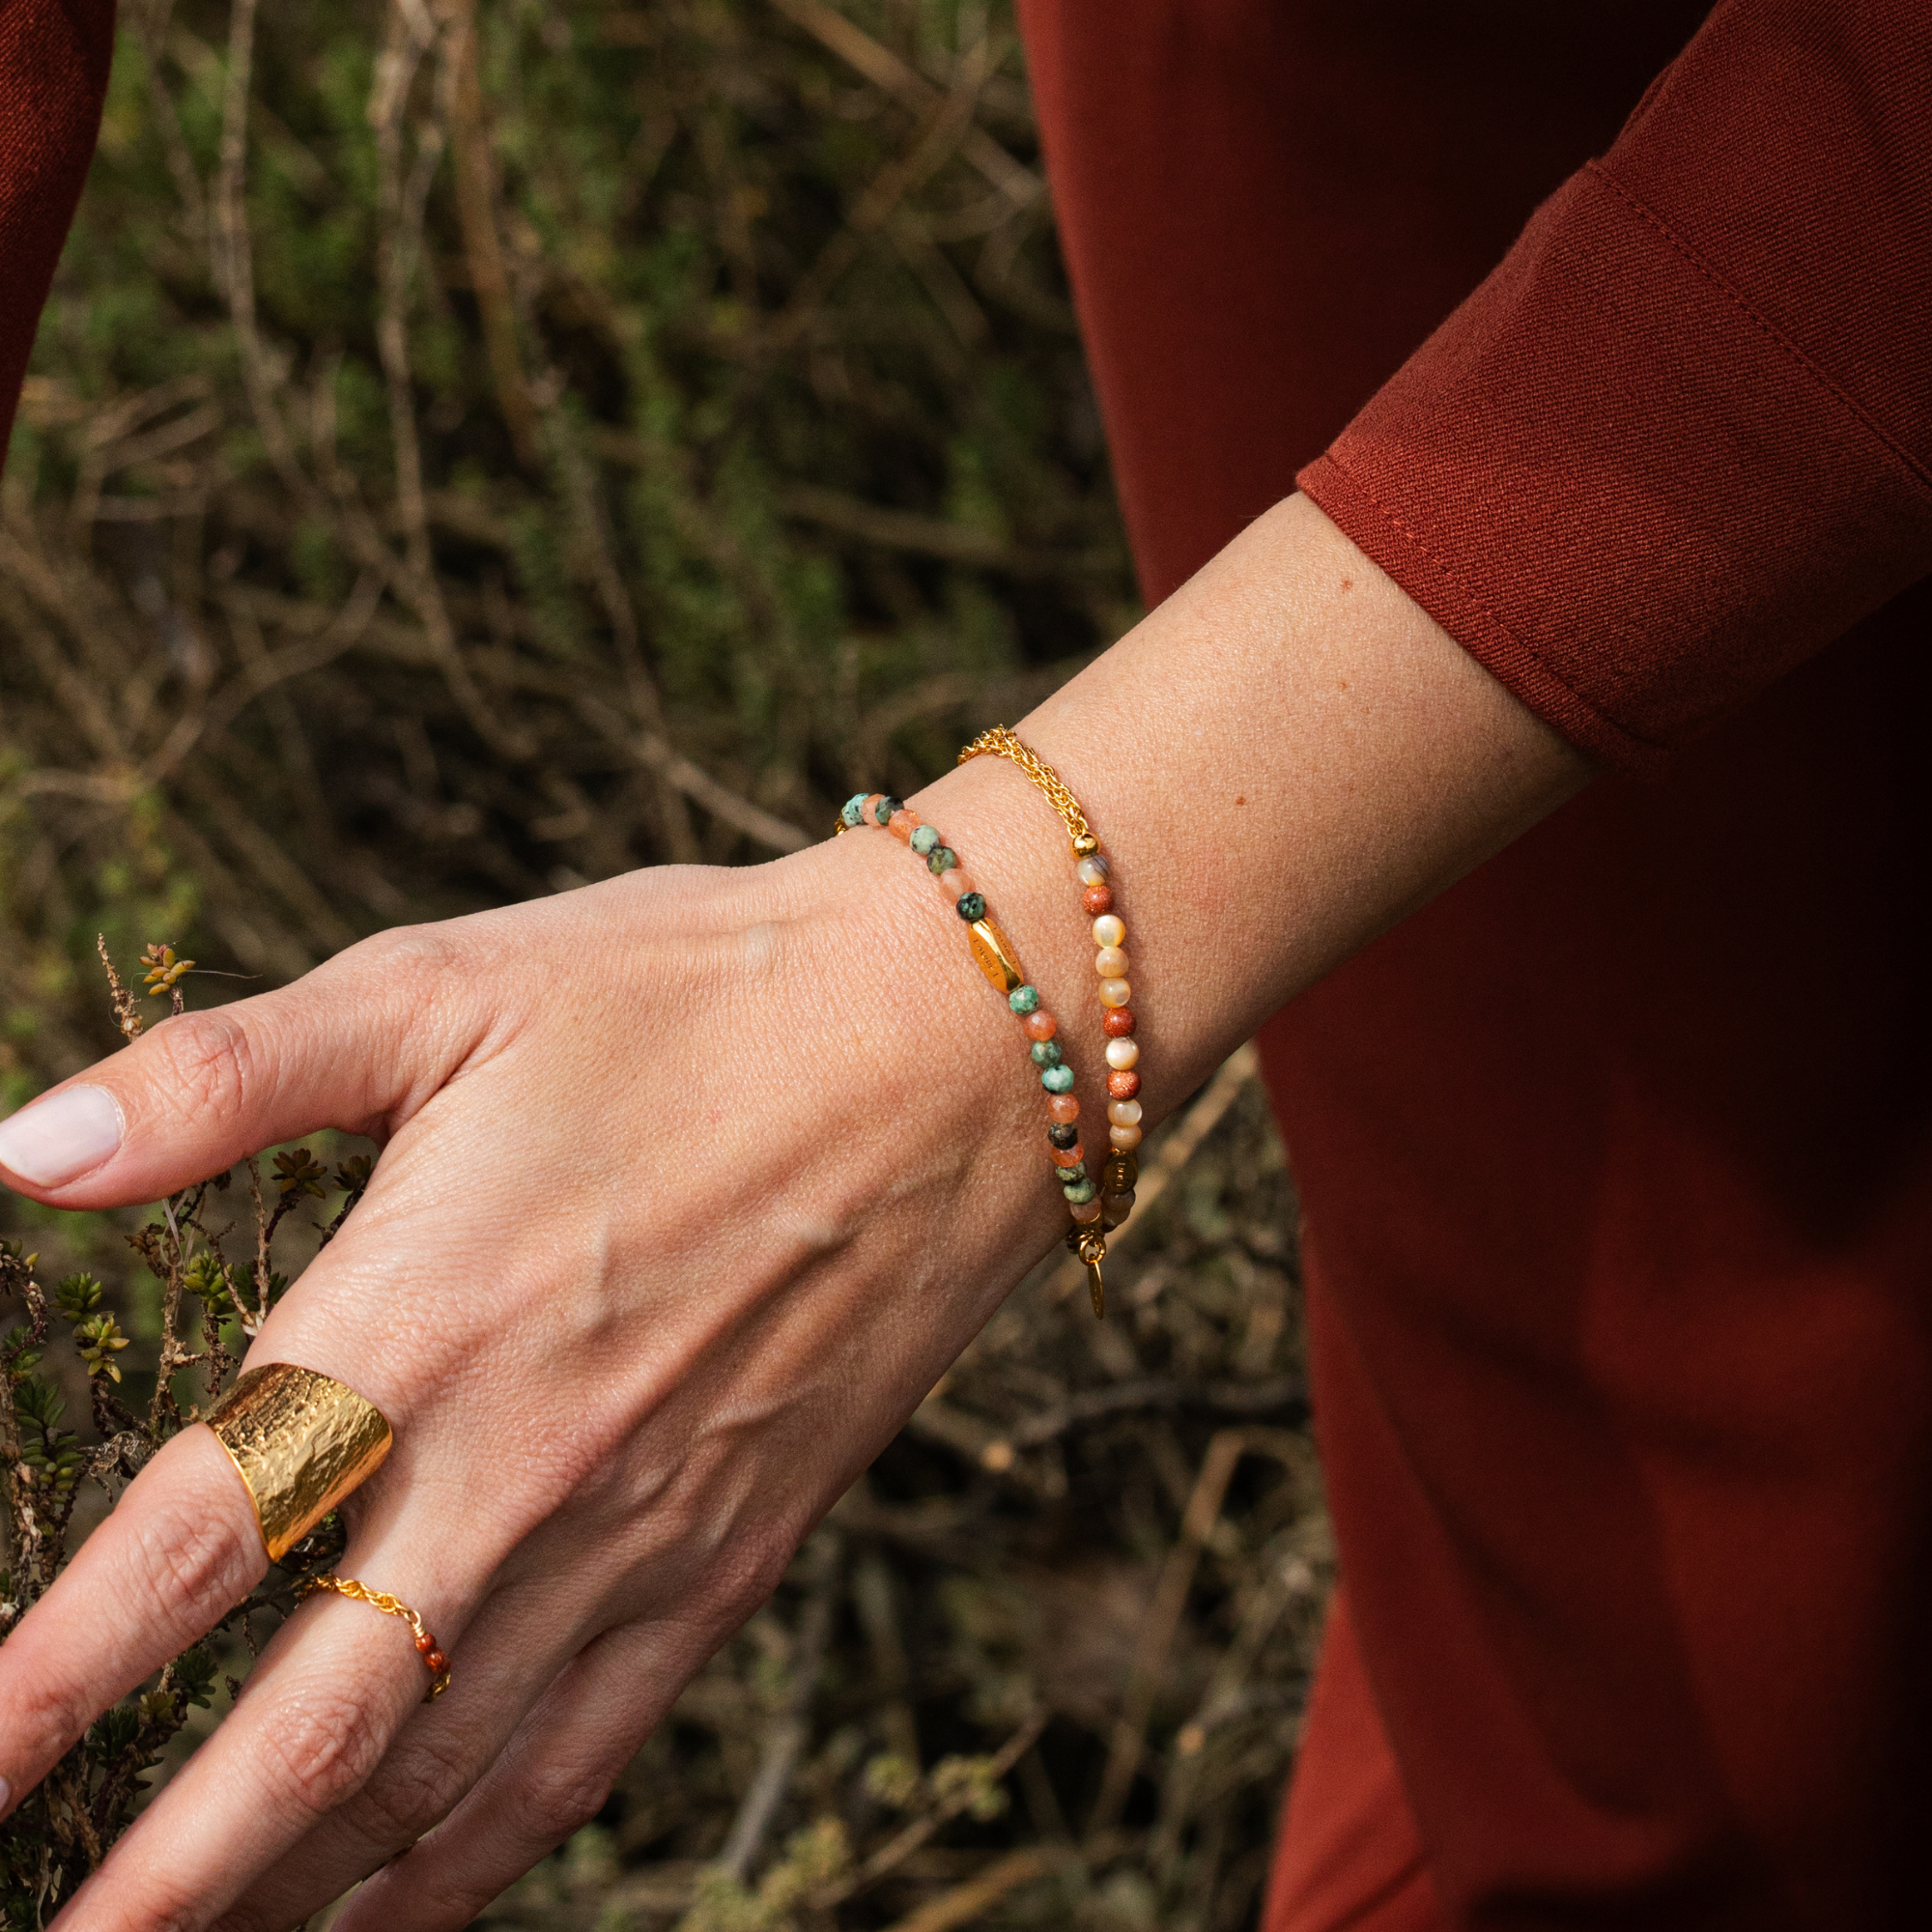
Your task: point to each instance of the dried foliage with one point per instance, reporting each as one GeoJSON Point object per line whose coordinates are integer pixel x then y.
{"type": "Point", "coordinates": [475, 448]}
{"type": "Point", "coordinates": [198, 1293]}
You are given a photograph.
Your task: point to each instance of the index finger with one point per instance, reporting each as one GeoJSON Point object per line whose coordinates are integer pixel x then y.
{"type": "Point", "coordinates": [179, 1551]}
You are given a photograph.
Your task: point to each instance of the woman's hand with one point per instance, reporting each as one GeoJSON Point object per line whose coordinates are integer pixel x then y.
{"type": "Point", "coordinates": [692, 1185]}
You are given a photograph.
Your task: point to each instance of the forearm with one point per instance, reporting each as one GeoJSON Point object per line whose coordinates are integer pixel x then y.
{"type": "Point", "coordinates": [1282, 760]}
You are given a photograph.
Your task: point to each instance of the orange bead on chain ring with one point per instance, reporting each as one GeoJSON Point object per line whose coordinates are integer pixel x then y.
{"type": "Point", "coordinates": [427, 1647]}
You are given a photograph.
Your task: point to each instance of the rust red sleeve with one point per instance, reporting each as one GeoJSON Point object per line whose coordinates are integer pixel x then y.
{"type": "Point", "coordinates": [1682, 436]}
{"type": "Point", "coordinates": [54, 57]}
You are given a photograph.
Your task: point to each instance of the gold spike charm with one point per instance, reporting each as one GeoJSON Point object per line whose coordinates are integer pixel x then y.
{"type": "Point", "coordinates": [1091, 1246]}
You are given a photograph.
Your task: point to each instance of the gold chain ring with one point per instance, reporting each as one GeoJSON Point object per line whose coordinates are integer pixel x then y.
{"type": "Point", "coordinates": [426, 1648]}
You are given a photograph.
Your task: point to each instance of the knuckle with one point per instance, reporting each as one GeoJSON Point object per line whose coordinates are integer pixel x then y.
{"type": "Point", "coordinates": [190, 1564]}
{"type": "Point", "coordinates": [210, 1059]}
{"type": "Point", "coordinates": [44, 1717]}
{"type": "Point", "coordinates": [406, 952]}
{"type": "Point", "coordinates": [319, 1750]}
{"type": "Point", "coordinates": [743, 1574]}
{"type": "Point", "coordinates": [172, 1913]}
{"type": "Point", "coordinates": [417, 1788]}
{"type": "Point", "coordinates": [559, 1796]}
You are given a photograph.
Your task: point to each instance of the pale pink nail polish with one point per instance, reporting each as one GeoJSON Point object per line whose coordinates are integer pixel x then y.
{"type": "Point", "coordinates": [59, 1139]}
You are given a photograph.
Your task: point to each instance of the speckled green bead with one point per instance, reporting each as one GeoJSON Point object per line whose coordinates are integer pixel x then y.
{"type": "Point", "coordinates": [882, 812]}
{"type": "Point", "coordinates": [1046, 1053]}
{"type": "Point", "coordinates": [941, 859]}
{"type": "Point", "coordinates": [854, 807]}
{"type": "Point", "coordinates": [923, 838]}
{"type": "Point", "coordinates": [971, 906]}
{"type": "Point", "coordinates": [1024, 998]}
{"type": "Point", "coordinates": [1057, 1079]}
{"type": "Point", "coordinates": [1070, 1176]}
{"type": "Point", "coordinates": [1080, 1192]}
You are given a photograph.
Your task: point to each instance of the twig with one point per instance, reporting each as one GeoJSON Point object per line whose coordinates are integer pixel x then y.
{"type": "Point", "coordinates": [934, 536]}
{"type": "Point", "coordinates": [790, 1730]}
{"type": "Point", "coordinates": [694, 782]}
{"type": "Point", "coordinates": [964, 1903]}
{"type": "Point", "coordinates": [482, 245]}
{"type": "Point", "coordinates": [1160, 1624]}
{"type": "Point", "coordinates": [896, 1850]}
{"type": "Point", "coordinates": [886, 70]}
{"type": "Point", "coordinates": [935, 143]}
{"type": "Point", "coordinates": [126, 1015]}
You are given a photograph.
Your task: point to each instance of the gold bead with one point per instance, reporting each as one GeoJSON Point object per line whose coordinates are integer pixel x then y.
{"type": "Point", "coordinates": [1086, 845]}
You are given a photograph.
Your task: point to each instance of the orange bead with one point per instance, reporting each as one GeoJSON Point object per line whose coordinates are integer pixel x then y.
{"type": "Point", "coordinates": [1064, 1108]}
{"type": "Point", "coordinates": [1123, 1085]}
{"type": "Point", "coordinates": [436, 1661]}
{"type": "Point", "coordinates": [1068, 1156]}
{"type": "Point", "coordinates": [425, 1643]}
{"type": "Point", "coordinates": [1117, 1022]}
{"type": "Point", "coordinates": [1041, 1025]}
{"type": "Point", "coordinates": [902, 824]}
{"type": "Point", "coordinates": [1096, 901]}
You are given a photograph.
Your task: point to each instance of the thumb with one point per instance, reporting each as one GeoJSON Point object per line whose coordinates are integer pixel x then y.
{"type": "Point", "coordinates": [359, 1044]}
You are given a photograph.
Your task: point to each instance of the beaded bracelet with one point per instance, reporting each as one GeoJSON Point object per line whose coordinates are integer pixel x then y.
{"type": "Point", "coordinates": [1122, 1169]}
{"type": "Point", "coordinates": [993, 954]}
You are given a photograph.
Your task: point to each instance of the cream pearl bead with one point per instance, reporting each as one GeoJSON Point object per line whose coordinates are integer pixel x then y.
{"type": "Point", "coordinates": [1124, 1138]}
{"type": "Point", "coordinates": [1115, 992]}
{"type": "Point", "coordinates": [1124, 1113]}
{"type": "Point", "coordinates": [1110, 963]}
{"type": "Point", "coordinates": [1110, 929]}
{"type": "Point", "coordinates": [1122, 1054]}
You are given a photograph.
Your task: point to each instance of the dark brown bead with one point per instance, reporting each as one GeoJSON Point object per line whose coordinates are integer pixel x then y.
{"type": "Point", "coordinates": [1119, 1022]}
{"type": "Point", "coordinates": [1122, 1084]}
{"type": "Point", "coordinates": [1062, 1134]}
{"type": "Point", "coordinates": [1115, 1210]}
{"type": "Point", "coordinates": [1096, 901]}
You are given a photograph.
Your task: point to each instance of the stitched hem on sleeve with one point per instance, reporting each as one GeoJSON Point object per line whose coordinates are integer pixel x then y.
{"type": "Point", "coordinates": [1435, 584]}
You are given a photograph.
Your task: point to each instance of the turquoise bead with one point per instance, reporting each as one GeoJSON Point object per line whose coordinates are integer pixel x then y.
{"type": "Point", "coordinates": [942, 859]}
{"type": "Point", "coordinates": [1081, 1191]}
{"type": "Point", "coordinates": [854, 807]}
{"type": "Point", "coordinates": [972, 906]}
{"type": "Point", "coordinates": [1024, 998]}
{"type": "Point", "coordinates": [1057, 1079]}
{"type": "Point", "coordinates": [1046, 1053]}
{"type": "Point", "coordinates": [886, 806]}
{"type": "Point", "coordinates": [923, 838]}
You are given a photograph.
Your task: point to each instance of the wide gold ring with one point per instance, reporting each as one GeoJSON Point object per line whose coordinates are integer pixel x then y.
{"type": "Point", "coordinates": [301, 1443]}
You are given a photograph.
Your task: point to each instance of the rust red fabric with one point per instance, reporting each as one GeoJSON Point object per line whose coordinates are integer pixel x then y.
{"type": "Point", "coordinates": [54, 57]}
{"type": "Point", "coordinates": [1617, 1159]}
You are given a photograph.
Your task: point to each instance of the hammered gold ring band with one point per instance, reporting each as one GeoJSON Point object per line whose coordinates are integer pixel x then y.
{"type": "Point", "coordinates": [301, 1441]}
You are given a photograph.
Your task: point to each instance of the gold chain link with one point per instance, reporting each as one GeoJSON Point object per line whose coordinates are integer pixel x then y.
{"type": "Point", "coordinates": [999, 743]}
{"type": "Point", "coordinates": [390, 1606]}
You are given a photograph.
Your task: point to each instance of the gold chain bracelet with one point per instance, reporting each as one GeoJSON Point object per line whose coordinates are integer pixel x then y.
{"type": "Point", "coordinates": [427, 1647]}
{"type": "Point", "coordinates": [1121, 1171]}
{"type": "Point", "coordinates": [999, 743]}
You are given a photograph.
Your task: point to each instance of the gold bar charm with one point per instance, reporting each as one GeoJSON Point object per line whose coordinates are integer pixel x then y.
{"type": "Point", "coordinates": [994, 956]}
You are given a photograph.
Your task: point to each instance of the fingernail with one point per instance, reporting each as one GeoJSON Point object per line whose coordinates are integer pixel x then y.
{"type": "Point", "coordinates": [55, 1140]}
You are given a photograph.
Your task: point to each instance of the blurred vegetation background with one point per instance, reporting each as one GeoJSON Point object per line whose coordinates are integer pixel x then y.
{"type": "Point", "coordinates": [477, 446]}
